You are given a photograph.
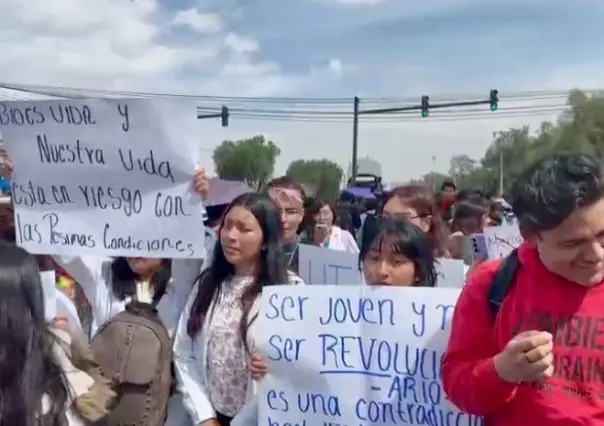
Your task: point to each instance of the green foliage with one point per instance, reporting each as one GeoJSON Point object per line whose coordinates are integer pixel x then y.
{"type": "Point", "coordinates": [323, 176]}
{"type": "Point", "coordinates": [579, 129]}
{"type": "Point", "coordinates": [433, 179]}
{"type": "Point", "coordinates": [248, 160]}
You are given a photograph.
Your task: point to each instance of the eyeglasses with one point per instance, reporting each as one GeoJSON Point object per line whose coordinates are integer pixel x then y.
{"type": "Point", "coordinates": [290, 212]}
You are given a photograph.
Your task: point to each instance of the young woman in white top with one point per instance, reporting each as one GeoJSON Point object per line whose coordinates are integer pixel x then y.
{"type": "Point", "coordinates": [216, 333]}
{"type": "Point", "coordinates": [109, 284]}
{"type": "Point", "coordinates": [40, 385]}
{"type": "Point", "coordinates": [323, 232]}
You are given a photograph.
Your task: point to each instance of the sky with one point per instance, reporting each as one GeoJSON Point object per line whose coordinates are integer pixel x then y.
{"type": "Point", "coordinates": [395, 50]}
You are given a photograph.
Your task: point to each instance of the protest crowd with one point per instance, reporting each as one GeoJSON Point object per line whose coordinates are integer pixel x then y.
{"type": "Point", "coordinates": [150, 341]}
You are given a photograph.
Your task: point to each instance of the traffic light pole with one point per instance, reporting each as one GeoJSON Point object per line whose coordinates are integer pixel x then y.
{"type": "Point", "coordinates": [425, 106]}
{"type": "Point", "coordinates": [355, 138]}
{"type": "Point", "coordinates": [419, 107]}
{"type": "Point", "coordinates": [505, 135]}
{"type": "Point", "coordinates": [204, 116]}
{"type": "Point", "coordinates": [223, 115]}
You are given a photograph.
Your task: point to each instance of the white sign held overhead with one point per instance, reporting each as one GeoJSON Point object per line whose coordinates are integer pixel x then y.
{"type": "Point", "coordinates": [105, 177]}
{"type": "Point", "coordinates": [319, 266]}
{"type": "Point", "coordinates": [356, 356]}
{"type": "Point", "coordinates": [501, 240]}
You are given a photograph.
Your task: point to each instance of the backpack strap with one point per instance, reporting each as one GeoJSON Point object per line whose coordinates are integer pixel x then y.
{"type": "Point", "coordinates": [502, 282]}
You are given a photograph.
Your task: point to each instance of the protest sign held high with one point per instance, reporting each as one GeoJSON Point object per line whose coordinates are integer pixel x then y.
{"type": "Point", "coordinates": [500, 241]}
{"type": "Point", "coordinates": [320, 266]}
{"type": "Point", "coordinates": [355, 356]}
{"type": "Point", "coordinates": [104, 177]}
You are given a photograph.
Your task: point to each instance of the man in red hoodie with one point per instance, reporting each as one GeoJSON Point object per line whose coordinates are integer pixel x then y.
{"type": "Point", "coordinates": [539, 360]}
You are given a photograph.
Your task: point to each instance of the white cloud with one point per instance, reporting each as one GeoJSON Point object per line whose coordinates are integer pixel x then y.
{"type": "Point", "coordinates": [335, 65]}
{"type": "Point", "coordinates": [360, 2]}
{"type": "Point", "coordinates": [204, 23]}
{"type": "Point", "coordinates": [97, 43]}
{"type": "Point", "coordinates": [128, 45]}
{"type": "Point", "coordinates": [241, 44]}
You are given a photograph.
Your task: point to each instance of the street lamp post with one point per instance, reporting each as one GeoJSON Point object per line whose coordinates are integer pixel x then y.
{"type": "Point", "coordinates": [501, 134]}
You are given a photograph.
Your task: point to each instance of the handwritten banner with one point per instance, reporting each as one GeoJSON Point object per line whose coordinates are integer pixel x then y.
{"type": "Point", "coordinates": [320, 266]}
{"type": "Point", "coordinates": [355, 356]}
{"type": "Point", "coordinates": [104, 177]}
{"type": "Point", "coordinates": [501, 240]}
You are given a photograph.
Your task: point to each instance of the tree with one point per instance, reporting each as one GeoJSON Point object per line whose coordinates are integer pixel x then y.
{"type": "Point", "coordinates": [461, 168]}
{"type": "Point", "coordinates": [248, 160]}
{"type": "Point", "coordinates": [323, 175]}
{"type": "Point", "coordinates": [580, 128]}
{"type": "Point", "coordinates": [434, 180]}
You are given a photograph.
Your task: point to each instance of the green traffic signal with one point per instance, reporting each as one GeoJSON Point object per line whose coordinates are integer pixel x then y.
{"type": "Point", "coordinates": [494, 99]}
{"type": "Point", "coordinates": [425, 105]}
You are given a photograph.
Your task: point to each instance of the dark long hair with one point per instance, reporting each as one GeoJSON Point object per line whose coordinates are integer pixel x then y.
{"type": "Point", "coordinates": [28, 368]}
{"type": "Point", "coordinates": [272, 270]}
{"type": "Point", "coordinates": [124, 279]}
{"type": "Point", "coordinates": [408, 240]}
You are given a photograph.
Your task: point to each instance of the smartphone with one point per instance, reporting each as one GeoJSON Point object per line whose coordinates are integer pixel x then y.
{"type": "Point", "coordinates": [321, 227]}
{"type": "Point", "coordinates": [479, 247]}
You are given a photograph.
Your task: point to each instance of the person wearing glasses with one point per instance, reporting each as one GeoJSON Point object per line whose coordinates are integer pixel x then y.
{"type": "Point", "coordinates": [323, 230]}
{"type": "Point", "coordinates": [288, 195]}
{"type": "Point", "coordinates": [416, 204]}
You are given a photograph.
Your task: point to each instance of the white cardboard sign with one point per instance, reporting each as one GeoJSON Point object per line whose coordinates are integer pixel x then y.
{"type": "Point", "coordinates": [320, 266]}
{"type": "Point", "coordinates": [355, 355]}
{"type": "Point", "coordinates": [105, 177]}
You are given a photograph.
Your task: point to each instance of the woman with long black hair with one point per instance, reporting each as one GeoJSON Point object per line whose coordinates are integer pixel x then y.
{"type": "Point", "coordinates": [214, 343]}
{"type": "Point", "coordinates": [39, 383]}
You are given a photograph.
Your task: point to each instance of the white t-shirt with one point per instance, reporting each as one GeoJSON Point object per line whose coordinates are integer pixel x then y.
{"type": "Point", "coordinates": [341, 240]}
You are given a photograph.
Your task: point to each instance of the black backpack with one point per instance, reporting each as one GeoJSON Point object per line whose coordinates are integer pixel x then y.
{"type": "Point", "coordinates": [502, 282]}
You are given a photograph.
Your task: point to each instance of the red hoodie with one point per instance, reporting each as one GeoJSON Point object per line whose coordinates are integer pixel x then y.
{"type": "Point", "coordinates": [538, 300]}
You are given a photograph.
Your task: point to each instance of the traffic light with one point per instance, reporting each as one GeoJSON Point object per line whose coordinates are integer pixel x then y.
{"type": "Point", "coordinates": [224, 116]}
{"type": "Point", "coordinates": [494, 100]}
{"type": "Point", "coordinates": [425, 106]}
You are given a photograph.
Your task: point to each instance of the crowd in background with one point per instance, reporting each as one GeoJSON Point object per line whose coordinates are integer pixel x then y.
{"type": "Point", "coordinates": [199, 365]}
